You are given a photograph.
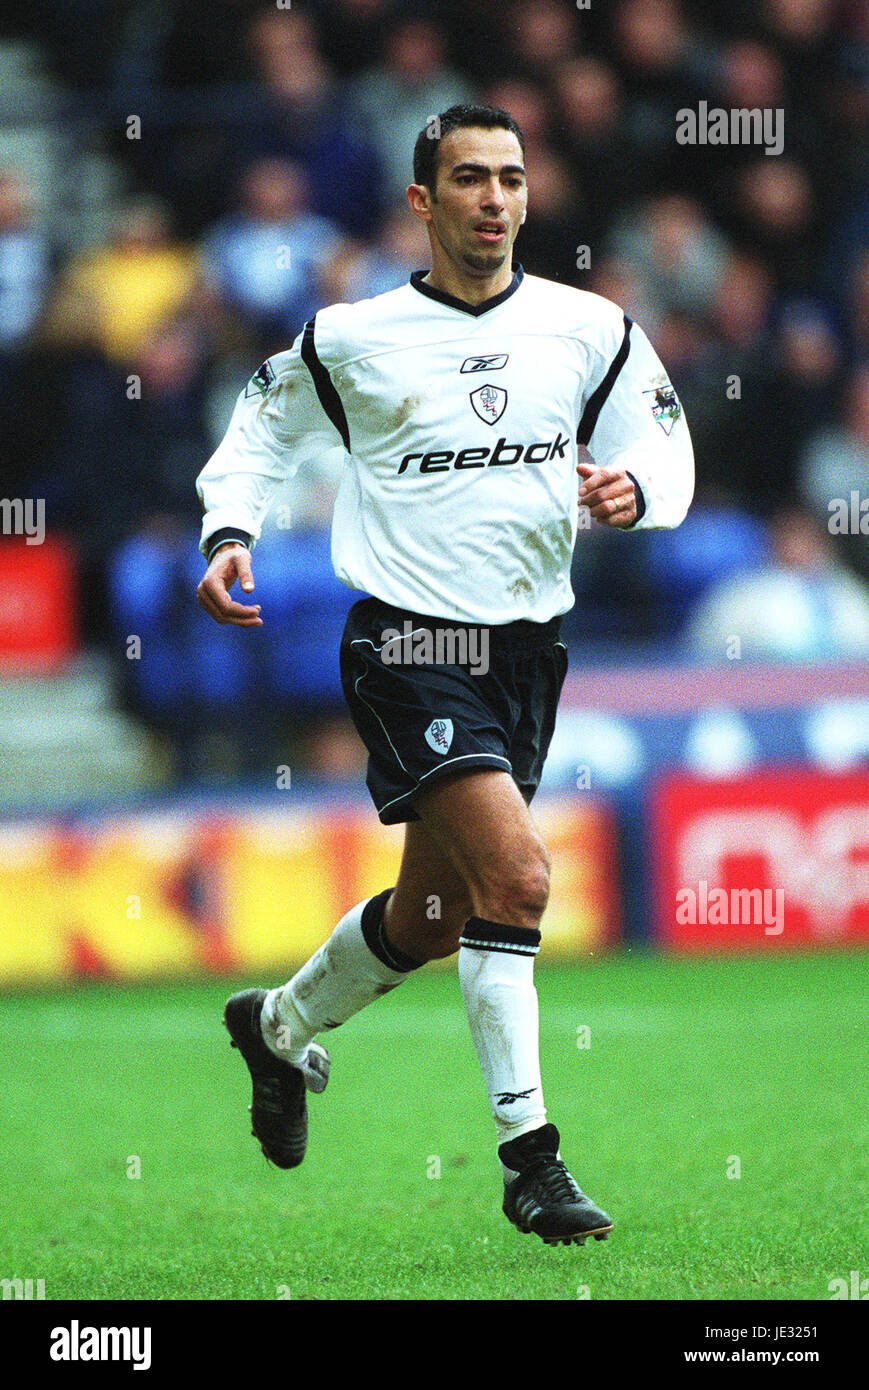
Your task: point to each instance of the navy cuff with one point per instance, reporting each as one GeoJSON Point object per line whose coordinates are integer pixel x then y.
{"type": "Point", "coordinates": [640, 499]}
{"type": "Point", "coordinates": [222, 537]}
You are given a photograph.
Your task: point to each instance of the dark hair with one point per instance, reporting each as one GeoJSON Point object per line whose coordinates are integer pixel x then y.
{"type": "Point", "coordinates": [425, 152]}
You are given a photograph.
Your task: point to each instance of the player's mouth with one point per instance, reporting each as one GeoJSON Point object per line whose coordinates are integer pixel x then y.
{"type": "Point", "coordinates": [492, 233]}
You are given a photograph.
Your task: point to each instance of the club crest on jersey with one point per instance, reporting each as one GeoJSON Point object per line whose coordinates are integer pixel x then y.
{"type": "Point", "coordinates": [489, 403]}
{"type": "Point", "coordinates": [665, 404]}
{"type": "Point", "coordinates": [261, 382]}
{"type": "Point", "coordinates": [439, 735]}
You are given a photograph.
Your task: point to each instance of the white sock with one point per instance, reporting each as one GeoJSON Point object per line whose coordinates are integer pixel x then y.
{"type": "Point", "coordinates": [352, 968]}
{"type": "Point", "coordinates": [496, 973]}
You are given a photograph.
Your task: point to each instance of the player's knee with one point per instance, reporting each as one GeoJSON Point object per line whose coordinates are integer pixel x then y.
{"type": "Point", "coordinates": [518, 893]}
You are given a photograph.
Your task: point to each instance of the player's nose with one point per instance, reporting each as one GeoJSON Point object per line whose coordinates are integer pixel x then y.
{"type": "Point", "coordinates": [493, 199]}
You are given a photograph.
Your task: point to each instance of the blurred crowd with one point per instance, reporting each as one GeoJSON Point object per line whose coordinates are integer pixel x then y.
{"type": "Point", "coordinates": [263, 152]}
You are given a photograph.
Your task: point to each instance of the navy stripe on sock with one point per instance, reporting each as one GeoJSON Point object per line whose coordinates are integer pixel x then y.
{"type": "Point", "coordinates": [375, 937]}
{"type": "Point", "coordinates": [480, 934]}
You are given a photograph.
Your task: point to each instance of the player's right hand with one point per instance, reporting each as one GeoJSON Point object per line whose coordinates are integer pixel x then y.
{"type": "Point", "coordinates": [229, 562]}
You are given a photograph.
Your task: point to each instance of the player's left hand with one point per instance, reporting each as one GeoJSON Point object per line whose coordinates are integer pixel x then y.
{"type": "Point", "coordinates": [609, 495]}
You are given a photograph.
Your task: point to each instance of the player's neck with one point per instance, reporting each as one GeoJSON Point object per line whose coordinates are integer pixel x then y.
{"type": "Point", "coordinates": [471, 289]}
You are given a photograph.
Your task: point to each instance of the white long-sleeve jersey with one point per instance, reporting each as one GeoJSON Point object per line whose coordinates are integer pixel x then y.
{"type": "Point", "coordinates": [461, 423]}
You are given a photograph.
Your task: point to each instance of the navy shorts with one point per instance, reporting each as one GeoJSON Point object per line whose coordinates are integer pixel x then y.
{"type": "Point", "coordinates": [423, 718]}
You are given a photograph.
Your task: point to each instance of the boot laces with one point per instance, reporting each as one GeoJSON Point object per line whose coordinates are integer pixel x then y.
{"type": "Point", "coordinates": [553, 1180]}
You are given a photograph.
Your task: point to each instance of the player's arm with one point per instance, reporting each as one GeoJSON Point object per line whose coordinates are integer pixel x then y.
{"type": "Point", "coordinates": [635, 429]}
{"type": "Point", "coordinates": [230, 561]}
{"type": "Point", "coordinates": [277, 417]}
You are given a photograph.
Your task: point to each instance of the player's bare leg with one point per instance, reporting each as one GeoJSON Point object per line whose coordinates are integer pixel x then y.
{"type": "Point", "coordinates": [481, 821]}
{"type": "Point", "coordinates": [274, 1030]}
{"type": "Point", "coordinates": [430, 903]}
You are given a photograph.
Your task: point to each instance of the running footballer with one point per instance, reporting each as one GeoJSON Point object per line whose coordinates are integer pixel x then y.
{"type": "Point", "coordinates": [461, 400]}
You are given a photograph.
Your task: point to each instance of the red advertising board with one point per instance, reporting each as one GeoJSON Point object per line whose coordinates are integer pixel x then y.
{"type": "Point", "coordinates": [778, 858]}
{"type": "Point", "coordinates": [38, 622]}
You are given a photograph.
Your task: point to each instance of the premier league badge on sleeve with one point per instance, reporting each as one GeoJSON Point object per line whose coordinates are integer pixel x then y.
{"type": "Point", "coordinates": [489, 403]}
{"type": "Point", "coordinates": [665, 404]}
{"type": "Point", "coordinates": [261, 382]}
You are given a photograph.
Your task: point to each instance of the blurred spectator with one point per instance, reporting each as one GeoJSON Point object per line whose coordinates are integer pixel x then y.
{"type": "Point", "coordinates": [298, 113]}
{"type": "Point", "coordinates": [753, 76]}
{"type": "Point", "coordinates": [662, 65]}
{"type": "Point", "coordinates": [358, 271]}
{"type": "Point", "coordinates": [729, 392]}
{"type": "Point", "coordinates": [265, 259]}
{"type": "Point", "coordinates": [184, 686]}
{"type": "Point", "coordinates": [857, 306]}
{"type": "Point", "coordinates": [547, 244]}
{"type": "Point", "coordinates": [717, 540]}
{"type": "Point", "coordinates": [198, 44]}
{"type": "Point", "coordinates": [63, 439]}
{"type": "Point", "coordinates": [165, 438]}
{"type": "Point", "coordinates": [802, 32]}
{"type": "Point", "coordinates": [353, 33]}
{"type": "Point", "coordinates": [286, 681]}
{"type": "Point", "coordinates": [527, 104]}
{"type": "Point", "coordinates": [394, 100]}
{"type": "Point", "coordinates": [835, 464]}
{"type": "Point", "coordinates": [609, 581]}
{"type": "Point", "coordinates": [618, 281]}
{"type": "Point", "coordinates": [542, 34]}
{"type": "Point", "coordinates": [776, 215]}
{"type": "Point", "coordinates": [675, 251]}
{"type": "Point", "coordinates": [802, 606]}
{"type": "Point", "coordinates": [742, 306]}
{"type": "Point", "coordinates": [136, 283]}
{"type": "Point", "coordinates": [651, 39]}
{"type": "Point", "coordinates": [809, 353]}
{"type": "Point", "coordinates": [606, 164]}
{"type": "Point", "coordinates": [24, 264]}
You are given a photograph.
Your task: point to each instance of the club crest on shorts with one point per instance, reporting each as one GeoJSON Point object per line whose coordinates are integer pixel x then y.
{"type": "Point", "coordinates": [439, 735]}
{"type": "Point", "coordinates": [489, 403]}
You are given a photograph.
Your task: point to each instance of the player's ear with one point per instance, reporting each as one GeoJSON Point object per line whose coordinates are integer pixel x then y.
{"type": "Point", "coordinates": [419, 199]}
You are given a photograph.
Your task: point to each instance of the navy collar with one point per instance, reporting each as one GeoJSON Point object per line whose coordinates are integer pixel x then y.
{"type": "Point", "coordinates": [475, 310]}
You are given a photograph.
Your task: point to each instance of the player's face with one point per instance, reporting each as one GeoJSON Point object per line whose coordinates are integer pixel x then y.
{"type": "Point", "coordinates": [481, 196]}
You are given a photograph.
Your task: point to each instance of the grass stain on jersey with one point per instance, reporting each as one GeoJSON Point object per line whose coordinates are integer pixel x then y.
{"type": "Point", "coordinates": [550, 542]}
{"type": "Point", "coordinates": [404, 411]}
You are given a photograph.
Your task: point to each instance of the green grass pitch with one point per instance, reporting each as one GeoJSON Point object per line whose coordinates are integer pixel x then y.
{"type": "Point", "coordinates": [696, 1071]}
